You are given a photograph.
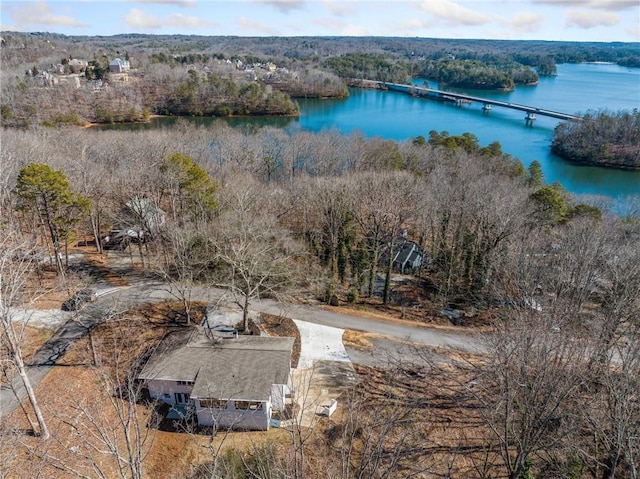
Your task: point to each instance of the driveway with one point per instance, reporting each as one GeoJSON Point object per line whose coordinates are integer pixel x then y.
{"type": "Point", "coordinates": [324, 370]}
{"type": "Point", "coordinates": [398, 329]}
{"type": "Point", "coordinates": [122, 299]}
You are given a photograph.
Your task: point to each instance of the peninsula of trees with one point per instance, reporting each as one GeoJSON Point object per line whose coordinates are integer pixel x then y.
{"type": "Point", "coordinates": [601, 138]}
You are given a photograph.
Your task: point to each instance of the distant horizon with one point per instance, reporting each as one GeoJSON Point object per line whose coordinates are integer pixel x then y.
{"type": "Point", "coordinates": [598, 21]}
{"type": "Point", "coordinates": [533, 40]}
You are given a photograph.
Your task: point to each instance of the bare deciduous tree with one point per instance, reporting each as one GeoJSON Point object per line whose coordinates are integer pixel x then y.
{"type": "Point", "coordinates": [15, 268]}
{"type": "Point", "coordinates": [116, 430]}
{"type": "Point", "coordinates": [529, 389]}
{"type": "Point", "coordinates": [255, 255]}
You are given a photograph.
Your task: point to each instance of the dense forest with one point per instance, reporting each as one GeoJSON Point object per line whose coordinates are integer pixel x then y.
{"type": "Point", "coordinates": [321, 215]}
{"type": "Point", "coordinates": [477, 74]}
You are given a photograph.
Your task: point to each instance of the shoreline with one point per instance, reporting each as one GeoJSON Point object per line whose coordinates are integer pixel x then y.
{"type": "Point", "coordinates": [150, 119]}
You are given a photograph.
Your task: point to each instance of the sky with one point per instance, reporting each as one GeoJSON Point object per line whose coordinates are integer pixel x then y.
{"type": "Point", "coordinates": [564, 20]}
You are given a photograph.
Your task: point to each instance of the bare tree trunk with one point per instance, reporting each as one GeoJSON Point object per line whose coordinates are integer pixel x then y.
{"type": "Point", "coordinates": [95, 227]}
{"type": "Point", "coordinates": [56, 242]}
{"type": "Point", "coordinates": [44, 430]}
{"type": "Point", "coordinates": [245, 313]}
{"type": "Point", "coordinates": [387, 276]}
{"type": "Point", "coordinates": [14, 270]}
{"type": "Point", "coordinates": [16, 357]}
{"type": "Point", "coordinates": [373, 269]}
{"type": "Point", "coordinates": [24, 409]}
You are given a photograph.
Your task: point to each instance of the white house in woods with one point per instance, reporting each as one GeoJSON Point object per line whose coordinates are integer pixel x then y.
{"type": "Point", "coordinates": [77, 65]}
{"type": "Point", "coordinates": [119, 65]}
{"type": "Point", "coordinates": [230, 383]}
{"type": "Point", "coordinates": [408, 256]}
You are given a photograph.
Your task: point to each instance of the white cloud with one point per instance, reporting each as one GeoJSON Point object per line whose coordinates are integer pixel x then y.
{"type": "Point", "coordinates": [174, 3]}
{"type": "Point", "coordinates": [340, 7]}
{"type": "Point", "coordinates": [9, 28]}
{"type": "Point", "coordinates": [501, 34]}
{"type": "Point", "coordinates": [452, 13]}
{"type": "Point", "coordinates": [354, 31]}
{"type": "Point", "coordinates": [598, 4]}
{"type": "Point", "coordinates": [330, 23]}
{"type": "Point", "coordinates": [527, 22]}
{"type": "Point", "coordinates": [634, 32]}
{"type": "Point", "coordinates": [251, 27]}
{"type": "Point", "coordinates": [39, 13]}
{"type": "Point", "coordinates": [179, 20]}
{"type": "Point", "coordinates": [409, 28]}
{"type": "Point", "coordinates": [138, 19]}
{"type": "Point", "coordinates": [591, 19]}
{"type": "Point", "coordinates": [284, 6]}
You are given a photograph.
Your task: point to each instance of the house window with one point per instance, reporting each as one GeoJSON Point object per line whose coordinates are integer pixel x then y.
{"type": "Point", "coordinates": [248, 405]}
{"type": "Point", "coordinates": [213, 403]}
{"type": "Point", "coordinates": [185, 383]}
{"type": "Point", "coordinates": [167, 395]}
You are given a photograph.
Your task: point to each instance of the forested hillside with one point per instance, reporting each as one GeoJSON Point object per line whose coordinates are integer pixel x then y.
{"type": "Point", "coordinates": [557, 279]}
{"type": "Point", "coordinates": [54, 79]}
{"type": "Point", "coordinates": [601, 138]}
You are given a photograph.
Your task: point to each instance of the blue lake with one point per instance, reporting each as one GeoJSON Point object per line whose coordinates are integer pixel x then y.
{"type": "Point", "coordinates": [576, 89]}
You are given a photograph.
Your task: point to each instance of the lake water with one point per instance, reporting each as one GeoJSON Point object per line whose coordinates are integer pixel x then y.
{"type": "Point", "coordinates": [576, 89]}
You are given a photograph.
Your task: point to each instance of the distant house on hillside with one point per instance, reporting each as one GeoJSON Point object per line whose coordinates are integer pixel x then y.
{"type": "Point", "coordinates": [45, 79]}
{"type": "Point", "coordinates": [78, 66]}
{"type": "Point", "coordinates": [119, 65]}
{"type": "Point", "coordinates": [57, 68]}
{"type": "Point", "coordinates": [408, 257]}
{"type": "Point", "coordinates": [228, 383]}
{"type": "Point", "coordinates": [72, 80]}
{"type": "Point", "coordinates": [139, 219]}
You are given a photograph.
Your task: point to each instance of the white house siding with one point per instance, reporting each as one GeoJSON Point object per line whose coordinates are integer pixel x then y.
{"type": "Point", "coordinates": [233, 418]}
{"type": "Point", "coordinates": [278, 394]}
{"type": "Point", "coordinates": [158, 389]}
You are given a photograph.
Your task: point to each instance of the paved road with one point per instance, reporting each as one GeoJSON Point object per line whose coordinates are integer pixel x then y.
{"type": "Point", "coordinates": [46, 358]}
{"type": "Point", "coordinates": [128, 297]}
{"type": "Point", "coordinates": [403, 330]}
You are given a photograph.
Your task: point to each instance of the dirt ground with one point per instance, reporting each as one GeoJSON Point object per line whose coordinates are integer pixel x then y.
{"type": "Point", "coordinates": [77, 388]}
{"type": "Point", "coordinates": [76, 400]}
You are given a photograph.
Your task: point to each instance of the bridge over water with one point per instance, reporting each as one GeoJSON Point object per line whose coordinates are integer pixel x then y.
{"type": "Point", "coordinates": [487, 103]}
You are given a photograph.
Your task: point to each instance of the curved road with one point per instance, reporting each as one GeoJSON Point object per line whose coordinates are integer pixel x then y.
{"type": "Point", "coordinates": [122, 299]}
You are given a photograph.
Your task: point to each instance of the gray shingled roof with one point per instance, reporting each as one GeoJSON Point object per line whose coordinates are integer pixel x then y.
{"type": "Point", "coordinates": [244, 368]}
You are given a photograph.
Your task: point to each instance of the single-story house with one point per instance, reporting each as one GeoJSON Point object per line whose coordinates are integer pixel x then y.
{"type": "Point", "coordinates": [408, 256]}
{"type": "Point", "coordinates": [228, 383]}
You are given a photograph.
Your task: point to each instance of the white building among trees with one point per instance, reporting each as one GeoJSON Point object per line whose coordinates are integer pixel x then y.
{"type": "Point", "coordinates": [227, 383]}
